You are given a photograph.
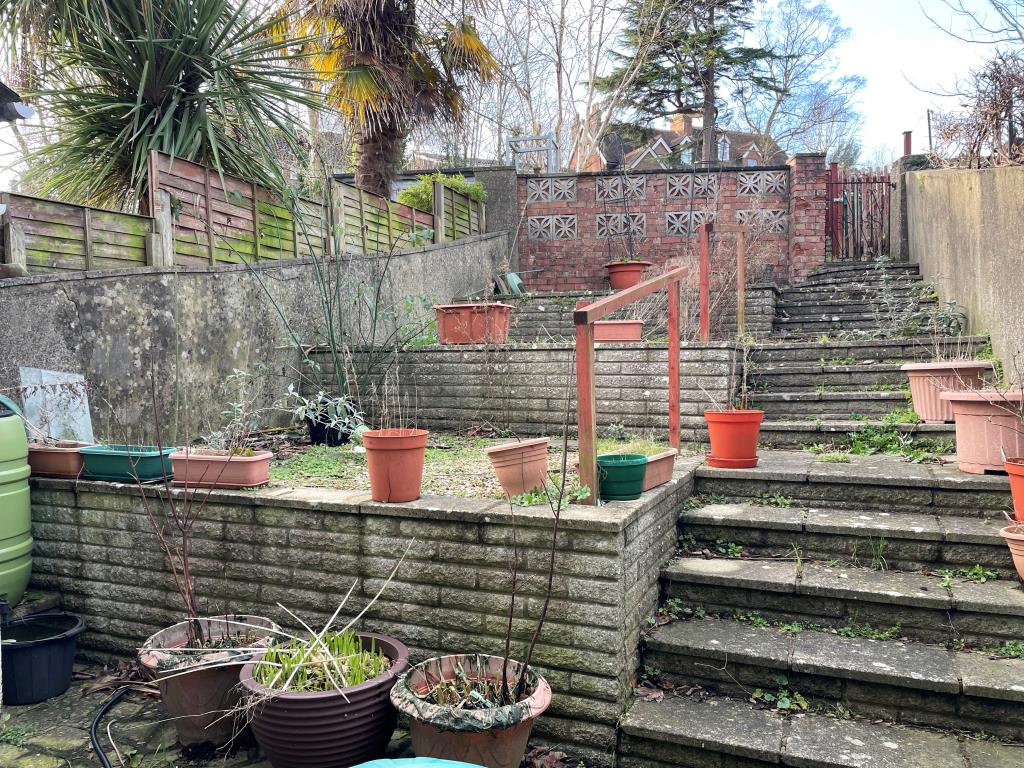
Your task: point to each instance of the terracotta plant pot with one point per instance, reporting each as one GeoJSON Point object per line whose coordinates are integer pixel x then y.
{"type": "Point", "coordinates": [486, 323]}
{"type": "Point", "coordinates": [625, 274]}
{"type": "Point", "coordinates": [929, 380]}
{"type": "Point", "coordinates": [202, 468]}
{"type": "Point", "coordinates": [659, 468]}
{"type": "Point", "coordinates": [60, 459]}
{"type": "Point", "coordinates": [1014, 537]}
{"type": "Point", "coordinates": [520, 466]}
{"type": "Point", "coordinates": [395, 460]}
{"type": "Point", "coordinates": [988, 427]}
{"type": "Point", "coordinates": [618, 330]}
{"type": "Point", "coordinates": [324, 730]}
{"type": "Point", "coordinates": [1015, 469]}
{"type": "Point", "coordinates": [495, 738]}
{"type": "Point", "coordinates": [734, 437]}
{"type": "Point", "coordinates": [196, 702]}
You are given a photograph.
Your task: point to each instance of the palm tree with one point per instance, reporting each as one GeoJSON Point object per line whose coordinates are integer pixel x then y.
{"type": "Point", "coordinates": [388, 66]}
{"type": "Point", "coordinates": [203, 80]}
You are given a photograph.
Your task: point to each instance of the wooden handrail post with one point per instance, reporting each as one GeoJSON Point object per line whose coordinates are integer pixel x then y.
{"type": "Point", "coordinates": [705, 281]}
{"type": "Point", "coordinates": [741, 284]}
{"type": "Point", "coordinates": [586, 408]}
{"type": "Point", "coordinates": [673, 364]}
{"type": "Point", "coordinates": [439, 214]}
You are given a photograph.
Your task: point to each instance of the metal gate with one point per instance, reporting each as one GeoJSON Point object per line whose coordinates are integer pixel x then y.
{"type": "Point", "coordinates": [857, 217]}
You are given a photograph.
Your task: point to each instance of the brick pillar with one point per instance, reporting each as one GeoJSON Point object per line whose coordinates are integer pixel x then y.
{"type": "Point", "coordinates": [808, 198]}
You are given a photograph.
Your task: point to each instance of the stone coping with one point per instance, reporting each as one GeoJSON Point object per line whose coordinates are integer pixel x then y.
{"type": "Point", "coordinates": [801, 467]}
{"type": "Point", "coordinates": [611, 517]}
{"type": "Point", "coordinates": [921, 341]}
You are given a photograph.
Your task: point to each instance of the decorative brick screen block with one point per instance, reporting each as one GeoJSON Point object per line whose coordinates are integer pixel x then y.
{"type": "Point", "coordinates": [573, 225]}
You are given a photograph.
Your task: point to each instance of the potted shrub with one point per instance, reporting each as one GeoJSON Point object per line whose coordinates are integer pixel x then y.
{"type": "Point", "coordinates": [625, 273]}
{"type": "Point", "coordinates": [929, 380]}
{"type": "Point", "coordinates": [734, 430]}
{"type": "Point", "coordinates": [621, 476]}
{"type": "Point", "coordinates": [394, 458]}
{"type": "Point", "coordinates": [618, 330]}
{"type": "Point", "coordinates": [57, 458]}
{"type": "Point", "coordinates": [323, 701]}
{"type": "Point", "coordinates": [481, 323]}
{"type": "Point", "coordinates": [521, 466]}
{"type": "Point", "coordinates": [989, 427]}
{"type": "Point", "coordinates": [330, 419]}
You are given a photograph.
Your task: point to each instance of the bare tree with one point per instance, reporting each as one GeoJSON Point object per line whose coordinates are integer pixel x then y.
{"type": "Point", "coordinates": [993, 22]}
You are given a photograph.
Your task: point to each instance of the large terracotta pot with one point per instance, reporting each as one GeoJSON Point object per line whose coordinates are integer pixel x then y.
{"type": "Point", "coordinates": [495, 738]}
{"type": "Point", "coordinates": [196, 701]}
{"type": "Point", "coordinates": [473, 323]}
{"type": "Point", "coordinates": [734, 437]}
{"type": "Point", "coordinates": [988, 427]}
{"type": "Point", "coordinates": [618, 330]}
{"type": "Point", "coordinates": [201, 468]}
{"type": "Point", "coordinates": [520, 466]}
{"type": "Point", "coordinates": [929, 380]}
{"type": "Point", "coordinates": [60, 459]}
{"type": "Point", "coordinates": [1015, 469]}
{"type": "Point", "coordinates": [625, 274]}
{"type": "Point", "coordinates": [1014, 537]}
{"type": "Point", "coordinates": [395, 460]}
{"type": "Point", "coordinates": [329, 729]}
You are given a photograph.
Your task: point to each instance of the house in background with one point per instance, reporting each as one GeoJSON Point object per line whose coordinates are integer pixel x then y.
{"type": "Point", "coordinates": [629, 147]}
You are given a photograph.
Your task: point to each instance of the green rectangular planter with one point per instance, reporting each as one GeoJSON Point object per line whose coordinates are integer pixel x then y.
{"type": "Point", "coordinates": [621, 476]}
{"type": "Point", "coordinates": [114, 463]}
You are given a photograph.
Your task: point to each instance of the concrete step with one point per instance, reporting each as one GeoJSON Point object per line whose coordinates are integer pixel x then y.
{"type": "Point", "coordinates": [866, 482]}
{"type": "Point", "coordinates": [797, 433]}
{"type": "Point", "coordinates": [829, 308]}
{"type": "Point", "coordinates": [719, 732]}
{"type": "Point", "coordinates": [859, 351]}
{"type": "Point", "coordinates": [860, 274]}
{"type": "Point", "coordinates": [846, 266]}
{"type": "Point", "coordinates": [982, 615]}
{"type": "Point", "coordinates": [780, 405]}
{"type": "Point", "coordinates": [898, 540]}
{"type": "Point", "coordinates": [805, 378]}
{"type": "Point", "coordinates": [893, 679]}
{"type": "Point", "coordinates": [832, 324]}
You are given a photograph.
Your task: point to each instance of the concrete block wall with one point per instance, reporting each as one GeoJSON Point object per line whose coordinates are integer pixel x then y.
{"type": "Point", "coordinates": [305, 547]}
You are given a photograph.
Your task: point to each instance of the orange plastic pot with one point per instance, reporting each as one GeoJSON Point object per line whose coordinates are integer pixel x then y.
{"type": "Point", "coordinates": [625, 274]}
{"type": "Point", "coordinates": [618, 330]}
{"type": "Point", "coordinates": [1014, 537]}
{"type": "Point", "coordinates": [734, 437]}
{"type": "Point", "coordinates": [395, 460]}
{"type": "Point", "coordinates": [1015, 469]}
{"type": "Point", "coordinates": [486, 323]}
{"type": "Point", "coordinates": [521, 466]}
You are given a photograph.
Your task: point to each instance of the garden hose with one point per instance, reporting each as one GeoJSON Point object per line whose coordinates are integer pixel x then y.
{"type": "Point", "coordinates": [93, 738]}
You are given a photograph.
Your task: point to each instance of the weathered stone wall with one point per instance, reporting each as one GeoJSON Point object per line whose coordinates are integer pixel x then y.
{"type": "Point", "coordinates": [966, 230]}
{"type": "Point", "coordinates": [304, 548]}
{"type": "Point", "coordinates": [899, 238]}
{"type": "Point", "coordinates": [193, 326]}
{"type": "Point", "coordinates": [522, 389]}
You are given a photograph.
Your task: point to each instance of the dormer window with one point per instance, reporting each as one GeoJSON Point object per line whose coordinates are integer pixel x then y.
{"type": "Point", "coordinates": [723, 148]}
{"type": "Point", "coordinates": [687, 154]}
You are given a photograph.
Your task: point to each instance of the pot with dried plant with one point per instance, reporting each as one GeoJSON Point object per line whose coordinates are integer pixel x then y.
{"type": "Point", "coordinates": [952, 368]}
{"type": "Point", "coordinates": [734, 430]}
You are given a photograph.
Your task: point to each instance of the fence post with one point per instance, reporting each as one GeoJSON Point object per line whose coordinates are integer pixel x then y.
{"type": "Point", "coordinates": [362, 221]}
{"type": "Point", "coordinates": [705, 281]}
{"type": "Point", "coordinates": [439, 223]}
{"type": "Point", "coordinates": [15, 260]}
{"type": "Point", "coordinates": [87, 227]}
{"type": "Point", "coordinates": [673, 364]}
{"type": "Point", "coordinates": [586, 409]}
{"type": "Point", "coordinates": [160, 243]}
{"type": "Point", "coordinates": [209, 216]}
{"type": "Point", "coordinates": [483, 218]}
{"type": "Point", "coordinates": [255, 223]}
{"type": "Point", "coordinates": [741, 284]}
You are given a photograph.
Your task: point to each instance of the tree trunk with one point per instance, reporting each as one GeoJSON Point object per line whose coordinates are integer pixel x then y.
{"type": "Point", "coordinates": [710, 113]}
{"type": "Point", "coordinates": [380, 154]}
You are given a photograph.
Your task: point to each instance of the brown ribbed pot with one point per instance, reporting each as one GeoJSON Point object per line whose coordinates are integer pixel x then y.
{"type": "Point", "coordinates": [929, 380]}
{"type": "Point", "coordinates": [323, 730]}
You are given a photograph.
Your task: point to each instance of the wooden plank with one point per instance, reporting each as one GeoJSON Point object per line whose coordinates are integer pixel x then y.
{"type": "Point", "coordinates": [586, 409]}
{"type": "Point", "coordinates": [87, 227]}
{"type": "Point", "coordinates": [673, 364]}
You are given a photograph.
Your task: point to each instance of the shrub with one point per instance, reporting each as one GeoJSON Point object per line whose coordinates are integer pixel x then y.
{"type": "Point", "coordinates": [421, 194]}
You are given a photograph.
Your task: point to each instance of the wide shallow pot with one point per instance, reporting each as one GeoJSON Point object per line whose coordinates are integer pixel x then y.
{"type": "Point", "coordinates": [486, 323]}
{"type": "Point", "coordinates": [39, 656]}
{"type": "Point", "coordinates": [201, 468]}
{"type": "Point", "coordinates": [625, 274]}
{"type": "Point", "coordinates": [495, 738]}
{"type": "Point", "coordinates": [659, 468]}
{"type": "Point", "coordinates": [929, 380]}
{"type": "Point", "coordinates": [196, 702]}
{"type": "Point", "coordinates": [988, 427]}
{"type": "Point", "coordinates": [734, 437]}
{"type": "Point", "coordinates": [122, 463]}
{"type": "Point", "coordinates": [621, 476]}
{"type": "Point", "coordinates": [1015, 469]}
{"type": "Point", "coordinates": [325, 434]}
{"type": "Point", "coordinates": [520, 466]}
{"type": "Point", "coordinates": [324, 730]}
{"type": "Point", "coordinates": [1014, 537]}
{"type": "Point", "coordinates": [395, 460]}
{"type": "Point", "coordinates": [618, 330]}
{"type": "Point", "coordinates": [60, 459]}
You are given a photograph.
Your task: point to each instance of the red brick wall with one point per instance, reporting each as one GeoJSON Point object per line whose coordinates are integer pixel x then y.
{"type": "Point", "coordinates": [572, 224]}
{"type": "Point", "coordinates": [807, 206]}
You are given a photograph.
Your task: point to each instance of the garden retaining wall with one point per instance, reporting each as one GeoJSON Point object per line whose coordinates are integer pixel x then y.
{"type": "Point", "coordinates": [305, 547]}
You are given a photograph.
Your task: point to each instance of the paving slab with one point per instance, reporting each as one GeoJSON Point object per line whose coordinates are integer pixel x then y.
{"type": "Point", "coordinates": [722, 640]}
{"type": "Point", "coordinates": [790, 466]}
{"type": "Point", "coordinates": [986, 754]}
{"type": "Point", "coordinates": [816, 741]}
{"type": "Point", "coordinates": [873, 470]}
{"type": "Point", "coordinates": [771, 576]}
{"type": "Point", "coordinates": [1002, 596]}
{"type": "Point", "coordinates": [903, 588]}
{"type": "Point", "coordinates": [896, 663]}
{"type": "Point", "coordinates": [991, 678]}
{"type": "Point", "coordinates": [970, 530]}
{"type": "Point", "coordinates": [746, 516]}
{"type": "Point", "coordinates": [873, 523]}
{"type": "Point", "coordinates": [719, 725]}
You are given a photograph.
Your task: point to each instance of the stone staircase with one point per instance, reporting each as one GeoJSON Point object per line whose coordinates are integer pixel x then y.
{"type": "Point", "coordinates": [835, 615]}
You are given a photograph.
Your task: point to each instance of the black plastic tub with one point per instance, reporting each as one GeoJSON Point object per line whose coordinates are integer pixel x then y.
{"type": "Point", "coordinates": [38, 654]}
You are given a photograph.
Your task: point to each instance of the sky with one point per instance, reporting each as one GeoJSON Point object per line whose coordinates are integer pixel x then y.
{"type": "Point", "coordinates": [900, 53]}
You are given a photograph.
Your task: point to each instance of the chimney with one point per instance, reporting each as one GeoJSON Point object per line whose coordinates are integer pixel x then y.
{"type": "Point", "coordinates": [682, 123]}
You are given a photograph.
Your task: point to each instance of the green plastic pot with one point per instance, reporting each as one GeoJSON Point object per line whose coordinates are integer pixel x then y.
{"type": "Point", "coordinates": [621, 476]}
{"type": "Point", "coordinates": [121, 463]}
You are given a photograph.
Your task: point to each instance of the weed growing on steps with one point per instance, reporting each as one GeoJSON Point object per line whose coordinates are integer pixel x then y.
{"type": "Point", "coordinates": [834, 457]}
{"type": "Point", "coordinates": [886, 439]}
{"type": "Point", "coordinates": [975, 573]}
{"type": "Point", "coordinates": [853, 629]}
{"type": "Point", "coordinates": [782, 699]}
{"type": "Point", "coordinates": [904, 415]}
{"type": "Point", "coordinates": [768, 499]}
{"type": "Point", "coordinates": [703, 499]}
{"type": "Point", "coordinates": [14, 735]}
{"type": "Point", "coordinates": [1011, 649]}
{"type": "Point", "coordinates": [728, 548]}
